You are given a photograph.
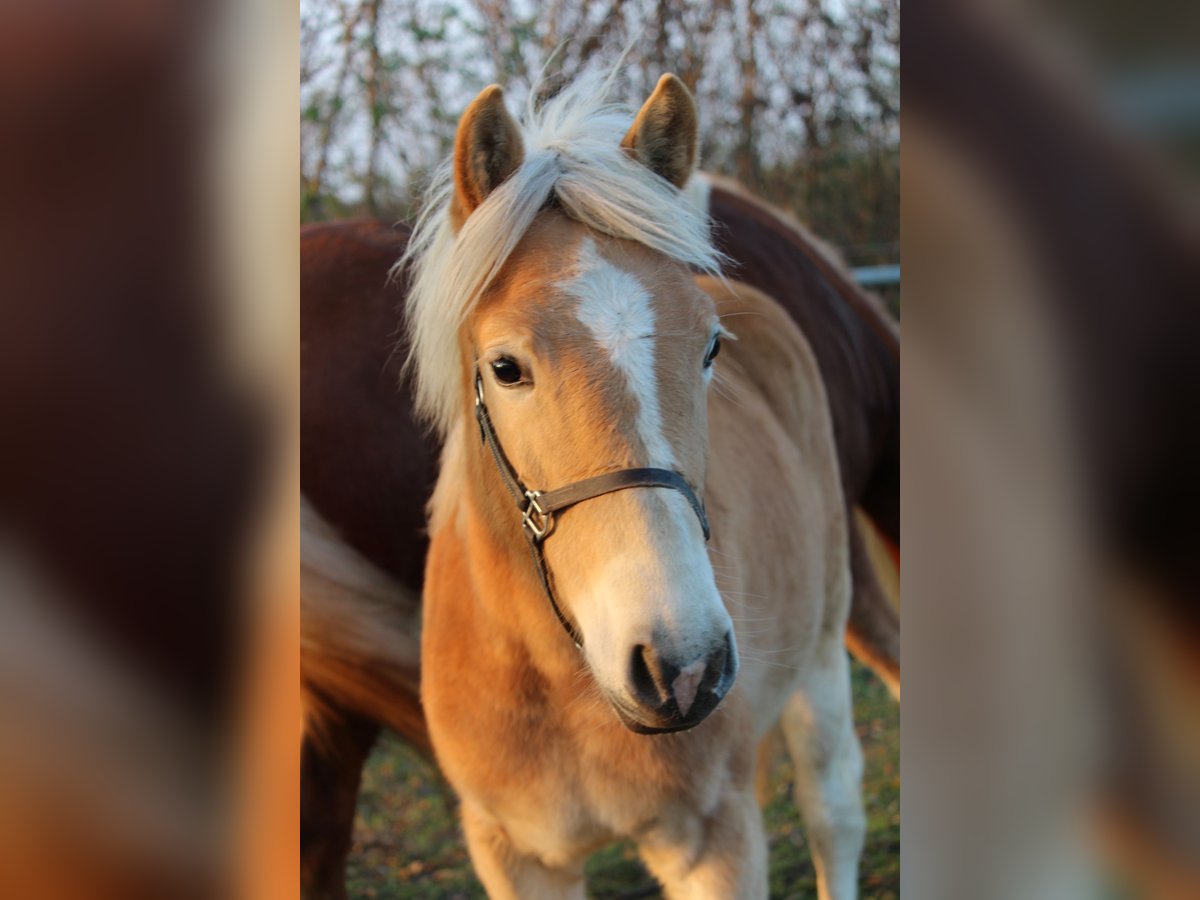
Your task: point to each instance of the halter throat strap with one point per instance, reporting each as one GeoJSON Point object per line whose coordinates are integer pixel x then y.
{"type": "Point", "coordinates": [539, 508]}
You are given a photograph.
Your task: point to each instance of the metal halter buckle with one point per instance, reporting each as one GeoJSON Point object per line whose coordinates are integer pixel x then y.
{"type": "Point", "coordinates": [537, 521]}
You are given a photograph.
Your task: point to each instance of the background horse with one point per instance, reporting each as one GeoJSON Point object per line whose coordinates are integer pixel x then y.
{"type": "Point", "coordinates": [368, 469]}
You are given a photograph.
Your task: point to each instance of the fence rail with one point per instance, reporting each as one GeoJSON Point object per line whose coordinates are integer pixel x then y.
{"type": "Point", "coordinates": [874, 276]}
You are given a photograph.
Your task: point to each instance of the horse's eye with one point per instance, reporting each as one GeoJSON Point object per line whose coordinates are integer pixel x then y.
{"type": "Point", "coordinates": [713, 349]}
{"type": "Point", "coordinates": [506, 370]}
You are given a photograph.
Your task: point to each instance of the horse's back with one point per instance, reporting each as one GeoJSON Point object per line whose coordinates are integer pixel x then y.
{"type": "Point", "coordinates": [368, 465]}
{"type": "Point", "coordinates": [855, 342]}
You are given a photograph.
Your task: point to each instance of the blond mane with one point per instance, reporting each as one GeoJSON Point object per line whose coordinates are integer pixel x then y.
{"type": "Point", "coordinates": [573, 157]}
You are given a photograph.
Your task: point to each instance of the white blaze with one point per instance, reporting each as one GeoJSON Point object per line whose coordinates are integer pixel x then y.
{"type": "Point", "coordinates": [663, 584]}
{"type": "Point", "coordinates": [619, 312]}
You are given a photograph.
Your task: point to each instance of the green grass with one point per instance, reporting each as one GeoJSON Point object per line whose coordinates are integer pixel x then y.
{"type": "Point", "coordinates": [407, 843]}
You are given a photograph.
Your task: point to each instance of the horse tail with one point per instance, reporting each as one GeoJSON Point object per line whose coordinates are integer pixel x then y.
{"type": "Point", "coordinates": [360, 645]}
{"type": "Point", "coordinates": [873, 630]}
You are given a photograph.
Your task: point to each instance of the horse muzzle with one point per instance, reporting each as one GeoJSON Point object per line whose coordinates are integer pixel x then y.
{"type": "Point", "coordinates": [662, 696]}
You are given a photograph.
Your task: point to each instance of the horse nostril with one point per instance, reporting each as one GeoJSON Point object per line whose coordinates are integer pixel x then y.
{"type": "Point", "coordinates": [650, 677]}
{"type": "Point", "coordinates": [722, 667]}
{"type": "Point", "coordinates": [721, 657]}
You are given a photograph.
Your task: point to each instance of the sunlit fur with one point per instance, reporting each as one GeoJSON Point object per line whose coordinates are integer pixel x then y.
{"type": "Point", "coordinates": [610, 328]}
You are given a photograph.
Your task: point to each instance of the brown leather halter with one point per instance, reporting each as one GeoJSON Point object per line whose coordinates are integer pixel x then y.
{"type": "Point", "coordinates": [538, 508]}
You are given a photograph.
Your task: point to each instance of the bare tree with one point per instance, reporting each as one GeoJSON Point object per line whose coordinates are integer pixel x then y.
{"type": "Point", "coordinates": [350, 15]}
{"type": "Point", "coordinates": [795, 96]}
{"type": "Point", "coordinates": [374, 87]}
{"type": "Point", "coordinates": [746, 156]}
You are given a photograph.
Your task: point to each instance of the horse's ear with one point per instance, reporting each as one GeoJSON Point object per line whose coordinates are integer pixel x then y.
{"type": "Point", "coordinates": [487, 149]}
{"type": "Point", "coordinates": [663, 135]}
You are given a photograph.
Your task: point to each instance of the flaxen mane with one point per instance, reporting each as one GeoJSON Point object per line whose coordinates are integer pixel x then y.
{"type": "Point", "coordinates": [572, 158]}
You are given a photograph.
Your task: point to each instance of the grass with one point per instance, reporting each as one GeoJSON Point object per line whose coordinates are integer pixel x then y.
{"type": "Point", "coordinates": [407, 843]}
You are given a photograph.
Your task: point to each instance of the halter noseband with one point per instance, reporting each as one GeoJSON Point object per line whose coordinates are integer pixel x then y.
{"type": "Point", "coordinates": [538, 508]}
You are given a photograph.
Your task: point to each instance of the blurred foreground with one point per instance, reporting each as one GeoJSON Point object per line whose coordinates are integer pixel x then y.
{"type": "Point", "coordinates": [1051, 385]}
{"type": "Point", "coordinates": [148, 467]}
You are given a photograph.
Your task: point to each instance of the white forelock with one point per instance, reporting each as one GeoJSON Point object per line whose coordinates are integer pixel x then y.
{"type": "Point", "coordinates": [573, 154]}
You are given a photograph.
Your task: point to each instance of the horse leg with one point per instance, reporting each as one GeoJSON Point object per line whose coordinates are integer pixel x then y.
{"type": "Point", "coordinates": [330, 773]}
{"type": "Point", "coordinates": [722, 855]}
{"type": "Point", "coordinates": [818, 724]}
{"type": "Point", "coordinates": [509, 874]}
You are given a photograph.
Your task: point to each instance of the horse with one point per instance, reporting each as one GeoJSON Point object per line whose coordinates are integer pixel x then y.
{"type": "Point", "coordinates": [368, 469]}
{"type": "Point", "coordinates": [591, 670]}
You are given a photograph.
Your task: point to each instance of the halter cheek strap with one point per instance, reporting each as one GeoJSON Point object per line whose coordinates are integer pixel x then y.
{"type": "Point", "coordinates": [538, 508]}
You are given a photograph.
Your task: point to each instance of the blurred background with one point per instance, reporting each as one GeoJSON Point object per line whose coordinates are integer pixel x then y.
{"type": "Point", "coordinates": [799, 101]}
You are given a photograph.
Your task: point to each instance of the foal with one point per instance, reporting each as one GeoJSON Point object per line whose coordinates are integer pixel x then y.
{"type": "Point", "coordinates": [613, 683]}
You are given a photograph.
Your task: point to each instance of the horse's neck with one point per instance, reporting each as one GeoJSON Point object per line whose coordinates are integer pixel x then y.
{"type": "Point", "coordinates": [501, 593]}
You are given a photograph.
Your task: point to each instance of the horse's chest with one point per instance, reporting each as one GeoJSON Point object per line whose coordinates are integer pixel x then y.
{"type": "Point", "coordinates": [513, 758]}
{"type": "Point", "coordinates": [555, 769]}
